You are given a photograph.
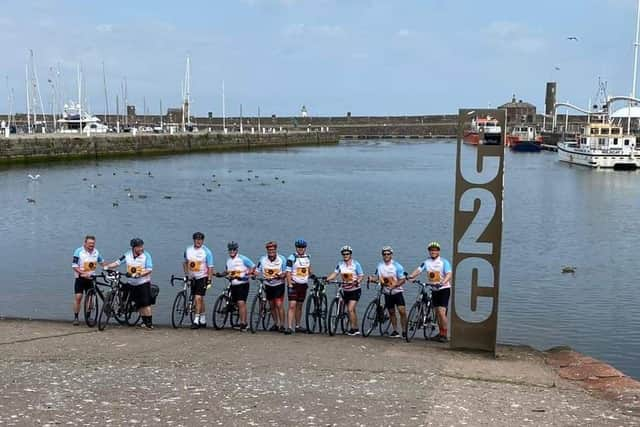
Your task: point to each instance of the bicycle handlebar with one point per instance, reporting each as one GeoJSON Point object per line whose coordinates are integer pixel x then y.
{"type": "Point", "coordinates": [174, 278]}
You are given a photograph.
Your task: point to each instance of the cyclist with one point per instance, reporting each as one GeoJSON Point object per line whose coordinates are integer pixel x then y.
{"type": "Point", "coordinates": [351, 274]}
{"type": "Point", "coordinates": [198, 265]}
{"type": "Point", "coordinates": [438, 275]}
{"type": "Point", "coordinates": [239, 268]}
{"type": "Point", "coordinates": [390, 274]}
{"type": "Point", "coordinates": [273, 266]}
{"type": "Point", "coordinates": [85, 260]}
{"type": "Point", "coordinates": [298, 272]}
{"type": "Point", "coordinates": [139, 267]}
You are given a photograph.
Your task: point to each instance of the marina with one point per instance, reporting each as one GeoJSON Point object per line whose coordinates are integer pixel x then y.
{"type": "Point", "coordinates": [546, 202]}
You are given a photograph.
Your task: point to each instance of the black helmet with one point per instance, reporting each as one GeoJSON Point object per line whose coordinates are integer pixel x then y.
{"type": "Point", "coordinates": [232, 246]}
{"type": "Point", "coordinates": [198, 235]}
{"type": "Point", "coordinates": [136, 242]}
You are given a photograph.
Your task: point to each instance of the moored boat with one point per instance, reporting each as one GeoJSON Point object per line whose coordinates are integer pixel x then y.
{"type": "Point", "coordinates": [601, 145]}
{"type": "Point", "coordinates": [484, 130]}
{"type": "Point", "coordinates": [524, 139]}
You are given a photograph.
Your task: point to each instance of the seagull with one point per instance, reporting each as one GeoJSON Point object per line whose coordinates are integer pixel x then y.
{"type": "Point", "coordinates": [574, 38]}
{"type": "Point", "coordinates": [34, 178]}
{"type": "Point", "coordinates": [31, 200]}
{"type": "Point", "coordinates": [115, 204]}
{"type": "Point", "coordinates": [166, 197]}
{"type": "Point", "coordinates": [557, 68]}
{"type": "Point", "coordinates": [208, 190]}
{"type": "Point", "coordinates": [142, 196]}
{"type": "Point", "coordinates": [129, 195]}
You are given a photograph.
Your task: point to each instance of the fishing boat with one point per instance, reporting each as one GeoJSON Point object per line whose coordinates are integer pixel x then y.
{"type": "Point", "coordinates": [601, 145]}
{"type": "Point", "coordinates": [484, 130]}
{"type": "Point", "coordinates": [524, 139]}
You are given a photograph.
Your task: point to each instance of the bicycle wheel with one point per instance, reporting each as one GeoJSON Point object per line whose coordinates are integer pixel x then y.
{"type": "Point", "coordinates": [266, 315]}
{"type": "Point", "coordinates": [178, 310]}
{"type": "Point", "coordinates": [333, 317]}
{"type": "Point", "coordinates": [414, 320]}
{"type": "Point", "coordinates": [91, 308]}
{"type": "Point", "coordinates": [119, 307]}
{"type": "Point", "coordinates": [132, 315]}
{"type": "Point", "coordinates": [313, 317]}
{"type": "Point", "coordinates": [107, 311]}
{"type": "Point", "coordinates": [370, 318]}
{"type": "Point", "coordinates": [256, 314]}
{"type": "Point", "coordinates": [430, 323]}
{"type": "Point", "coordinates": [234, 314]}
{"type": "Point", "coordinates": [220, 314]}
{"type": "Point", "coordinates": [384, 320]}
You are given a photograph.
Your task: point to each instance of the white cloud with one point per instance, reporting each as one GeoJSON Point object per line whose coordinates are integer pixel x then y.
{"type": "Point", "coordinates": [104, 28]}
{"type": "Point", "coordinates": [513, 36]}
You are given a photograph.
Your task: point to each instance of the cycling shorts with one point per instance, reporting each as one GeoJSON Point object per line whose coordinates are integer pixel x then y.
{"type": "Point", "coordinates": [440, 298]}
{"type": "Point", "coordinates": [199, 286]}
{"type": "Point", "coordinates": [240, 292]}
{"type": "Point", "coordinates": [393, 300]}
{"type": "Point", "coordinates": [297, 292]}
{"type": "Point", "coordinates": [352, 295]}
{"type": "Point", "coordinates": [82, 285]}
{"type": "Point", "coordinates": [274, 292]}
{"type": "Point", "coordinates": [141, 294]}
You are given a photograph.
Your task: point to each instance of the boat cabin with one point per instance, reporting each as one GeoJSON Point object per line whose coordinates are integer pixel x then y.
{"type": "Point", "coordinates": [606, 138]}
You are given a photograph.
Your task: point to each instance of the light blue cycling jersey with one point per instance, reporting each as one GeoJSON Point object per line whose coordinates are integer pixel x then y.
{"type": "Point", "coordinates": [238, 269]}
{"type": "Point", "coordinates": [300, 267]}
{"type": "Point", "coordinates": [436, 269]}
{"type": "Point", "coordinates": [86, 261]}
{"type": "Point", "coordinates": [350, 274]}
{"type": "Point", "coordinates": [137, 265]}
{"type": "Point", "coordinates": [198, 261]}
{"type": "Point", "coordinates": [385, 271]}
{"type": "Point", "coordinates": [271, 269]}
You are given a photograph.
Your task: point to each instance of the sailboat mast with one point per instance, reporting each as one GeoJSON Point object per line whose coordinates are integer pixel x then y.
{"type": "Point", "coordinates": [26, 78]}
{"type": "Point", "coordinates": [106, 94]}
{"type": "Point", "coordinates": [79, 100]}
{"type": "Point", "coordinates": [635, 48]}
{"type": "Point", "coordinates": [224, 125]}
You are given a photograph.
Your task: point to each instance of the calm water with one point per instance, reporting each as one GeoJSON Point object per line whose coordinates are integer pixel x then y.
{"type": "Point", "coordinates": [367, 194]}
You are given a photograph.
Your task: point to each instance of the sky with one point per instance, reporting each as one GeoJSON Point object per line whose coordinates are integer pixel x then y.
{"type": "Point", "coordinates": [367, 57]}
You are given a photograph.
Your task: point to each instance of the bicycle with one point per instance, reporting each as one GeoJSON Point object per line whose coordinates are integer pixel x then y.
{"type": "Point", "coordinates": [260, 309]}
{"type": "Point", "coordinates": [224, 308]}
{"type": "Point", "coordinates": [184, 303]}
{"type": "Point", "coordinates": [316, 308]}
{"type": "Point", "coordinates": [422, 314]}
{"type": "Point", "coordinates": [375, 314]}
{"type": "Point", "coordinates": [93, 298]}
{"type": "Point", "coordinates": [118, 303]}
{"type": "Point", "coordinates": [337, 314]}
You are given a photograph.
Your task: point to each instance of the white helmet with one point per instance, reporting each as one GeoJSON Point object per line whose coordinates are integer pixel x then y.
{"type": "Point", "coordinates": [346, 248]}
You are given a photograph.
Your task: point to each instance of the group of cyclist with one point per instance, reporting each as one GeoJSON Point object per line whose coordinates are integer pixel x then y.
{"type": "Point", "coordinates": [280, 274]}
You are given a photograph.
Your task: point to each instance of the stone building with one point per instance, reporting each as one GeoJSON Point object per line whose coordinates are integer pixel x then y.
{"type": "Point", "coordinates": [519, 112]}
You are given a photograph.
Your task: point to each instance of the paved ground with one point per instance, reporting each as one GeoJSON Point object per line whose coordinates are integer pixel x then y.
{"type": "Point", "coordinates": [54, 373]}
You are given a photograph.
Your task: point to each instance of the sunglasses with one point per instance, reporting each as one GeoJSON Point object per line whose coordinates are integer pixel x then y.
{"type": "Point", "coordinates": [386, 253]}
{"type": "Point", "coordinates": [346, 253]}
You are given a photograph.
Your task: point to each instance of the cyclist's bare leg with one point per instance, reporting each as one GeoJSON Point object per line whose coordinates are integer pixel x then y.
{"type": "Point", "coordinates": [76, 303]}
{"type": "Point", "coordinates": [242, 311]}
{"type": "Point", "coordinates": [291, 315]}
{"type": "Point", "coordinates": [441, 314]}
{"type": "Point", "coordinates": [393, 318]}
{"type": "Point", "coordinates": [299, 305]}
{"type": "Point", "coordinates": [199, 302]}
{"type": "Point", "coordinates": [280, 306]}
{"type": "Point", "coordinates": [145, 311]}
{"type": "Point", "coordinates": [403, 317]}
{"type": "Point", "coordinates": [351, 311]}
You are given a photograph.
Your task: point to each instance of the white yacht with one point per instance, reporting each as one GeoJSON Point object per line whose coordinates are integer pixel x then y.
{"type": "Point", "coordinates": [71, 122]}
{"type": "Point", "coordinates": [601, 145]}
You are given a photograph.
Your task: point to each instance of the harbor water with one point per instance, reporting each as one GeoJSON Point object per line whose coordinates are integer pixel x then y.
{"type": "Point", "coordinates": [366, 194]}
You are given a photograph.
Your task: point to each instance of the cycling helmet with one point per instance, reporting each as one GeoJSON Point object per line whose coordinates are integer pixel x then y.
{"type": "Point", "coordinates": [346, 248]}
{"type": "Point", "coordinates": [136, 242]}
{"type": "Point", "coordinates": [300, 243]}
{"type": "Point", "coordinates": [232, 246]}
{"type": "Point", "coordinates": [433, 245]}
{"type": "Point", "coordinates": [198, 235]}
{"type": "Point", "coordinates": [387, 249]}
{"type": "Point", "coordinates": [270, 244]}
